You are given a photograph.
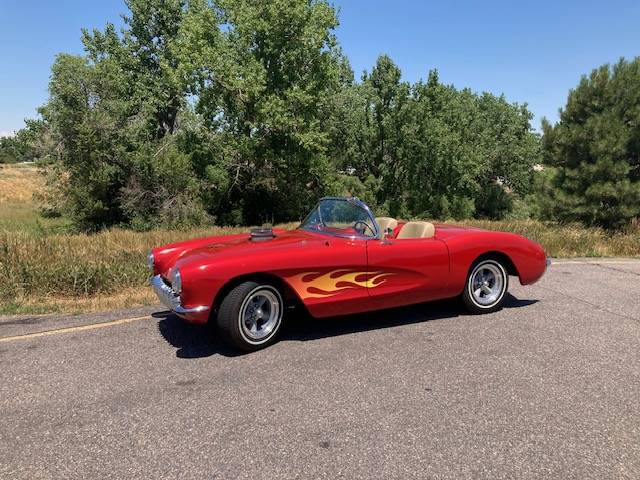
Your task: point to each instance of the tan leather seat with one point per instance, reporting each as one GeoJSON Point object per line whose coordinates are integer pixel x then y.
{"type": "Point", "coordinates": [386, 223]}
{"type": "Point", "coordinates": [417, 230]}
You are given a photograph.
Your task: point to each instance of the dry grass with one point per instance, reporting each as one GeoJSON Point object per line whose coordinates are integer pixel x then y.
{"type": "Point", "coordinates": [80, 265]}
{"type": "Point", "coordinates": [18, 212]}
{"type": "Point", "coordinates": [564, 241]}
{"type": "Point", "coordinates": [44, 269]}
{"type": "Point", "coordinates": [128, 298]}
{"type": "Point", "coordinates": [65, 272]}
{"type": "Point", "coordinates": [18, 182]}
{"type": "Point", "coordinates": [74, 273]}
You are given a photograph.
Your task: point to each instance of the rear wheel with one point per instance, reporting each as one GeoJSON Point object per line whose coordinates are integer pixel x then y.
{"type": "Point", "coordinates": [487, 283]}
{"type": "Point", "coordinates": [250, 316]}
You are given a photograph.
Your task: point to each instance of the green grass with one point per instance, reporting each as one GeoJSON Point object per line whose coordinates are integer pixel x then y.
{"type": "Point", "coordinates": [22, 217]}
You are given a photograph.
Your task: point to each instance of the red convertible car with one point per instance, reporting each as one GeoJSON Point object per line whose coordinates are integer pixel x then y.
{"type": "Point", "coordinates": [340, 260]}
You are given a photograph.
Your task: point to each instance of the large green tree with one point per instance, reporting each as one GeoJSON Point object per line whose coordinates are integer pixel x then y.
{"type": "Point", "coordinates": [429, 149]}
{"type": "Point", "coordinates": [596, 148]}
{"type": "Point", "coordinates": [112, 114]}
{"type": "Point", "coordinates": [264, 74]}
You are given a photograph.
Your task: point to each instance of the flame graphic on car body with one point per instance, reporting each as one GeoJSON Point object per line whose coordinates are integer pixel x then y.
{"type": "Point", "coordinates": [319, 285]}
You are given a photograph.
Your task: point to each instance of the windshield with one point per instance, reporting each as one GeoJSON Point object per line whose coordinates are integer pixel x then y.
{"type": "Point", "coordinates": [340, 216]}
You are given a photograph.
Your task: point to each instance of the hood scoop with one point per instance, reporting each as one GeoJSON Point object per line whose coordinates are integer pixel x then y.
{"type": "Point", "coordinates": [262, 234]}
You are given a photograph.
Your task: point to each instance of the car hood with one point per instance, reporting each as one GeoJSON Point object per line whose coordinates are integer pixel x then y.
{"type": "Point", "coordinates": [242, 246]}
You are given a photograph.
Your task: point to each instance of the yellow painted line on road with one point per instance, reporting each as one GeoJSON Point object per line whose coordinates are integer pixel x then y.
{"type": "Point", "coordinates": [80, 328]}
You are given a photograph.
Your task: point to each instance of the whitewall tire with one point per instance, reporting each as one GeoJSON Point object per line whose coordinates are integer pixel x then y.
{"type": "Point", "coordinates": [486, 285]}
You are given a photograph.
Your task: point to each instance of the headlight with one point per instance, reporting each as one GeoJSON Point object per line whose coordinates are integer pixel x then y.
{"type": "Point", "coordinates": [150, 260]}
{"type": "Point", "coordinates": [176, 284]}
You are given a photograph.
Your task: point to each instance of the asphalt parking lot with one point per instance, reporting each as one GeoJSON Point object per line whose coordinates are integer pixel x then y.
{"type": "Point", "coordinates": [547, 388]}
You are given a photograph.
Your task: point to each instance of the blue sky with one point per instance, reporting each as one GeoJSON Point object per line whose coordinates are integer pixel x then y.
{"type": "Point", "coordinates": [532, 52]}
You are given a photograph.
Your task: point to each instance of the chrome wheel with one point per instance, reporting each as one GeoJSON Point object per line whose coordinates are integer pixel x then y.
{"type": "Point", "coordinates": [487, 284]}
{"type": "Point", "coordinates": [260, 314]}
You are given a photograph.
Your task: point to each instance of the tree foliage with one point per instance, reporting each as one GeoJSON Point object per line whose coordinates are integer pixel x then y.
{"type": "Point", "coordinates": [435, 151]}
{"type": "Point", "coordinates": [262, 73]}
{"type": "Point", "coordinates": [596, 148]}
{"type": "Point", "coordinates": [11, 149]}
{"type": "Point", "coordinates": [111, 111]}
{"type": "Point", "coordinates": [22, 147]}
{"type": "Point", "coordinates": [242, 112]}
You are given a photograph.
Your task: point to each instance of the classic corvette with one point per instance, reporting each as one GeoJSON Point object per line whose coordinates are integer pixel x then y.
{"type": "Point", "coordinates": [340, 260]}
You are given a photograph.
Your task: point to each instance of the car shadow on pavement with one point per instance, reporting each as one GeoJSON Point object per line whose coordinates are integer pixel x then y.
{"type": "Point", "coordinates": [191, 341]}
{"type": "Point", "coordinates": [197, 341]}
{"type": "Point", "coordinates": [512, 302]}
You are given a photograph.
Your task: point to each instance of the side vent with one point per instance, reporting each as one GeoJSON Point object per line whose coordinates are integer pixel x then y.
{"type": "Point", "coordinates": [262, 234]}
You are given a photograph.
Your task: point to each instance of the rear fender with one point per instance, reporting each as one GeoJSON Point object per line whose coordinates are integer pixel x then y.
{"type": "Point", "coordinates": [523, 257]}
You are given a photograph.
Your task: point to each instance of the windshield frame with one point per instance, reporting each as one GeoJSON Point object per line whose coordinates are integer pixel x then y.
{"type": "Point", "coordinates": [354, 200]}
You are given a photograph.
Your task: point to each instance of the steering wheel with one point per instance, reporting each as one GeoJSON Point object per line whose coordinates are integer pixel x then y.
{"type": "Point", "coordinates": [363, 228]}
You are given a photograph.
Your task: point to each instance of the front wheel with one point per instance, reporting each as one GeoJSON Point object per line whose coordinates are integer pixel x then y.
{"type": "Point", "coordinates": [250, 316]}
{"type": "Point", "coordinates": [486, 286]}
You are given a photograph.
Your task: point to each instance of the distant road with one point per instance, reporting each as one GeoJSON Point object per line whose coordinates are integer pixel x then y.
{"type": "Point", "coordinates": [547, 388]}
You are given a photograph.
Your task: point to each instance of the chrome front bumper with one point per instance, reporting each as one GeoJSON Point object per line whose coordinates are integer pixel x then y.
{"type": "Point", "coordinates": [171, 299]}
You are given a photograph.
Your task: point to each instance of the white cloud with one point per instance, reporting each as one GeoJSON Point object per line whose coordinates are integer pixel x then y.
{"type": "Point", "coordinates": [6, 133]}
